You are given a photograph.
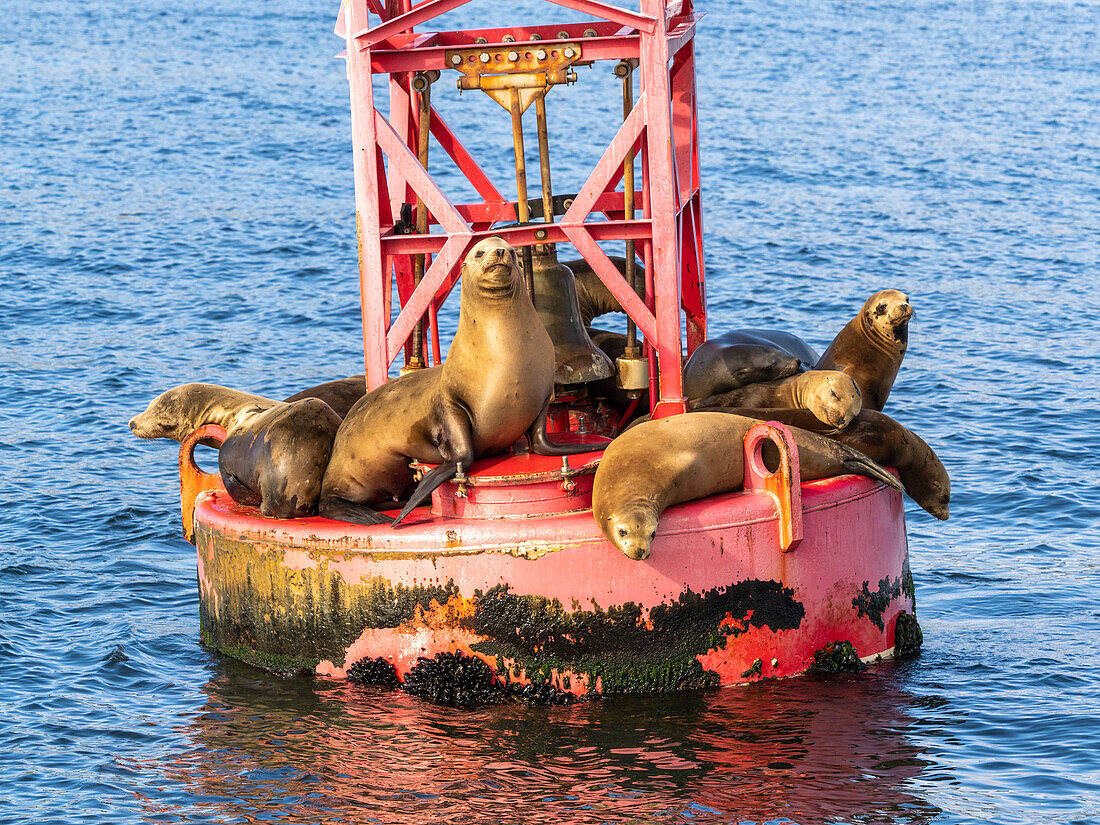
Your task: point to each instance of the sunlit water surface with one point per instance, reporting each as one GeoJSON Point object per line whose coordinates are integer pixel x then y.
{"type": "Point", "coordinates": [177, 205]}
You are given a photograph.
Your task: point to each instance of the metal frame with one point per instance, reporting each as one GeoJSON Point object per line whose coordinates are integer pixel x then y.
{"type": "Point", "coordinates": [662, 130]}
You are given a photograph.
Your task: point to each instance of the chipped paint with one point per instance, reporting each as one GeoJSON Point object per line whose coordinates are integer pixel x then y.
{"type": "Point", "coordinates": [710, 605]}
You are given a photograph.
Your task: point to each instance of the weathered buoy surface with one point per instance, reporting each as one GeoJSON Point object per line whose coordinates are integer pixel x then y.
{"type": "Point", "coordinates": [541, 596]}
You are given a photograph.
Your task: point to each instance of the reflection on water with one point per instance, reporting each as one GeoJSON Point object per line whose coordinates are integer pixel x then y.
{"type": "Point", "coordinates": [807, 750]}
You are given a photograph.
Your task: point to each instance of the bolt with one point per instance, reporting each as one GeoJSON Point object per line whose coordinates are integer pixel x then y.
{"type": "Point", "coordinates": [589, 32]}
{"type": "Point", "coordinates": [484, 57]}
{"type": "Point", "coordinates": [541, 54]}
{"type": "Point", "coordinates": [508, 38]}
{"type": "Point", "coordinates": [563, 35]}
{"type": "Point", "coordinates": [540, 234]}
{"type": "Point", "coordinates": [536, 36]}
{"type": "Point", "coordinates": [481, 40]}
{"type": "Point", "coordinates": [569, 54]}
{"type": "Point", "coordinates": [513, 56]}
{"type": "Point", "coordinates": [456, 60]}
{"type": "Point", "coordinates": [775, 662]}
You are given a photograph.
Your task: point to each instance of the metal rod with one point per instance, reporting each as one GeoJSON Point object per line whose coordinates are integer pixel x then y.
{"type": "Point", "coordinates": [521, 185]}
{"type": "Point", "coordinates": [423, 84]}
{"type": "Point", "coordinates": [544, 158]}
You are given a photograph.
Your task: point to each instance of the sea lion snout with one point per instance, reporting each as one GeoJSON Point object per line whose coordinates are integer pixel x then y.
{"type": "Point", "coordinates": [902, 312]}
{"type": "Point", "coordinates": [633, 534]}
{"type": "Point", "coordinates": [148, 425]}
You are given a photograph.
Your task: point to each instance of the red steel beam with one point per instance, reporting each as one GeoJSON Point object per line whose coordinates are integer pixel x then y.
{"type": "Point", "coordinates": [432, 57]}
{"type": "Point", "coordinates": [659, 176]}
{"type": "Point", "coordinates": [367, 218]}
{"type": "Point", "coordinates": [641, 21]}
{"type": "Point", "coordinates": [638, 230]}
{"type": "Point", "coordinates": [420, 13]}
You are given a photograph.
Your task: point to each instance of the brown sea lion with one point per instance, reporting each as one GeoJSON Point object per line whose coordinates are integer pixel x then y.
{"type": "Point", "coordinates": [275, 453]}
{"type": "Point", "coordinates": [831, 396]}
{"type": "Point", "coordinates": [872, 345]}
{"type": "Point", "coordinates": [594, 298]}
{"type": "Point", "coordinates": [666, 461]}
{"type": "Point", "coordinates": [705, 373]}
{"type": "Point", "coordinates": [277, 459]}
{"type": "Point", "coordinates": [494, 387]}
{"type": "Point", "coordinates": [341, 394]}
{"type": "Point", "coordinates": [885, 441]}
{"type": "Point", "coordinates": [717, 367]}
{"type": "Point", "coordinates": [178, 412]}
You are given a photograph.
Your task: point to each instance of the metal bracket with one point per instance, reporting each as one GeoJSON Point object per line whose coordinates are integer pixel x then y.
{"type": "Point", "coordinates": [529, 67]}
{"type": "Point", "coordinates": [784, 485]}
{"type": "Point", "coordinates": [192, 478]}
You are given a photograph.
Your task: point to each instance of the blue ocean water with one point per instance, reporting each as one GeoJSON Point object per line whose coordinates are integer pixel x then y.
{"type": "Point", "coordinates": [177, 205]}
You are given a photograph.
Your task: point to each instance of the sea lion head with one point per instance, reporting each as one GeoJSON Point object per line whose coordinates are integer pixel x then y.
{"type": "Point", "coordinates": [930, 487]}
{"type": "Point", "coordinates": [491, 268]}
{"type": "Point", "coordinates": [832, 396]}
{"type": "Point", "coordinates": [887, 313]}
{"type": "Point", "coordinates": [169, 415]}
{"type": "Point", "coordinates": [632, 531]}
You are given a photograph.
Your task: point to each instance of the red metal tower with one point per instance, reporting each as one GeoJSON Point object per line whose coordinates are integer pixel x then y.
{"type": "Point", "coordinates": [661, 129]}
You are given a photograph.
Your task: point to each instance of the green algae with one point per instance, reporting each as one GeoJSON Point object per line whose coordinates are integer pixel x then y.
{"type": "Point", "coordinates": [836, 657]}
{"type": "Point", "coordinates": [908, 637]}
{"type": "Point", "coordinates": [874, 605]}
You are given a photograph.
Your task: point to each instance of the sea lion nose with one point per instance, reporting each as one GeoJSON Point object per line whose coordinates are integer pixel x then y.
{"type": "Point", "coordinates": [500, 251]}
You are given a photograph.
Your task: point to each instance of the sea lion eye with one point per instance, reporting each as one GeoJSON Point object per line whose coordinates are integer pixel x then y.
{"type": "Point", "coordinates": [479, 253]}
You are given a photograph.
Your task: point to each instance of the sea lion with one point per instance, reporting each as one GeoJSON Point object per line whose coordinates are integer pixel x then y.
{"type": "Point", "coordinates": [593, 296]}
{"type": "Point", "coordinates": [275, 453]}
{"type": "Point", "coordinates": [717, 366]}
{"type": "Point", "coordinates": [872, 345]}
{"type": "Point", "coordinates": [495, 385]}
{"type": "Point", "coordinates": [178, 412]}
{"type": "Point", "coordinates": [831, 396]}
{"type": "Point", "coordinates": [277, 459]}
{"type": "Point", "coordinates": [341, 394]}
{"type": "Point", "coordinates": [666, 461]}
{"type": "Point", "coordinates": [883, 440]}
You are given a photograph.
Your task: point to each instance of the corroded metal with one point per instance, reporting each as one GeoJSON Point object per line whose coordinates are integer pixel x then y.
{"type": "Point", "coordinates": [193, 480]}
{"type": "Point", "coordinates": [547, 598]}
{"type": "Point", "coordinates": [782, 483]}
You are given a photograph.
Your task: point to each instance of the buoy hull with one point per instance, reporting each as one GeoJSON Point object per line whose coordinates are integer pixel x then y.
{"type": "Point", "coordinates": [548, 598]}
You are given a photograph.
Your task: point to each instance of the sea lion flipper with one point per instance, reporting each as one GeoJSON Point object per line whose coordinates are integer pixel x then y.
{"type": "Point", "coordinates": [340, 509]}
{"type": "Point", "coordinates": [433, 478]}
{"type": "Point", "coordinates": [863, 466]}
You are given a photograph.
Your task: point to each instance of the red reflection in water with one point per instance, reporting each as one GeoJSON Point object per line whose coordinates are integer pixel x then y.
{"type": "Point", "coordinates": [298, 751]}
